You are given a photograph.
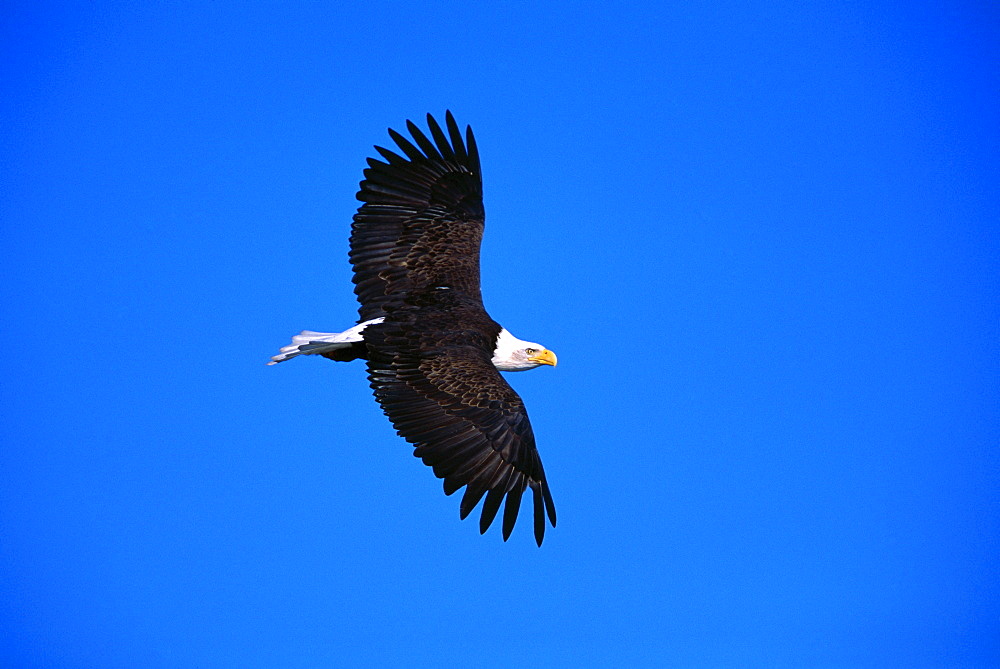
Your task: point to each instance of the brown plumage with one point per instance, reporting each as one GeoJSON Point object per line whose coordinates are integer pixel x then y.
{"type": "Point", "coordinates": [415, 250]}
{"type": "Point", "coordinates": [422, 221]}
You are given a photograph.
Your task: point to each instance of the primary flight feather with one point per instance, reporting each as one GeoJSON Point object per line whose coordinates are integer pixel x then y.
{"type": "Point", "coordinates": [434, 355]}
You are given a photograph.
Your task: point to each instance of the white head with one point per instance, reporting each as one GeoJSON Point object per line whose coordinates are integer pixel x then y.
{"type": "Point", "coordinates": [516, 355]}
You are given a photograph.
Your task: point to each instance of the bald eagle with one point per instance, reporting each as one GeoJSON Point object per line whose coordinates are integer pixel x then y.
{"type": "Point", "coordinates": [434, 355]}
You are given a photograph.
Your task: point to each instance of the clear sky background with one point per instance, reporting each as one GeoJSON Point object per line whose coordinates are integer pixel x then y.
{"type": "Point", "coordinates": [762, 238]}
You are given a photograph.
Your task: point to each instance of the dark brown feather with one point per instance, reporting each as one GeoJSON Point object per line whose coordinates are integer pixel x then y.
{"type": "Point", "coordinates": [430, 367]}
{"type": "Point", "coordinates": [430, 206]}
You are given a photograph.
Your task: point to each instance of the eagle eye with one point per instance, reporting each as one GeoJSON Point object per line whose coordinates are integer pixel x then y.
{"type": "Point", "coordinates": [531, 351]}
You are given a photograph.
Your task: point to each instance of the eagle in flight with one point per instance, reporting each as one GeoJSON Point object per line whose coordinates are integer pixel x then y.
{"type": "Point", "coordinates": [434, 355]}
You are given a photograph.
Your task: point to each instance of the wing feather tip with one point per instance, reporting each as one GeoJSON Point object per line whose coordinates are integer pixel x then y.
{"type": "Point", "coordinates": [450, 486]}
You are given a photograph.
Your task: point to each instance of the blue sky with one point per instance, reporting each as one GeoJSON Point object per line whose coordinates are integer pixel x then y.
{"type": "Point", "coordinates": [762, 238]}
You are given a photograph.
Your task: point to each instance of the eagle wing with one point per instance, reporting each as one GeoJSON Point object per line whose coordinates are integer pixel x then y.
{"type": "Point", "coordinates": [421, 223]}
{"type": "Point", "coordinates": [431, 369]}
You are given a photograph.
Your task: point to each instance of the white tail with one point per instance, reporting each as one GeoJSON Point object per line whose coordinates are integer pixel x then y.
{"type": "Point", "coordinates": [308, 342]}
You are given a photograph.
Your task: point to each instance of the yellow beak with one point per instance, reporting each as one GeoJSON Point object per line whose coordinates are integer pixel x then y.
{"type": "Point", "coordinates": [546, 357]}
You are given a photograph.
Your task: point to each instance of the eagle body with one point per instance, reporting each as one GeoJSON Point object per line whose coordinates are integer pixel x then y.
{"type": "Point", "coordinates": [433, 353]}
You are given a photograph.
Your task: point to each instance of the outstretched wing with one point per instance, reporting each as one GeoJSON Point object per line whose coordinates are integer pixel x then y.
{"type": "Point", "coordinates": [421, 223]}
{"type": "Point", "coordinates": [430, 367]}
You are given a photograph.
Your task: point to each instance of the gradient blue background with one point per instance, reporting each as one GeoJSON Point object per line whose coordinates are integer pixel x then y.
{"type": "Point", "coordinates": [762, 238]}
